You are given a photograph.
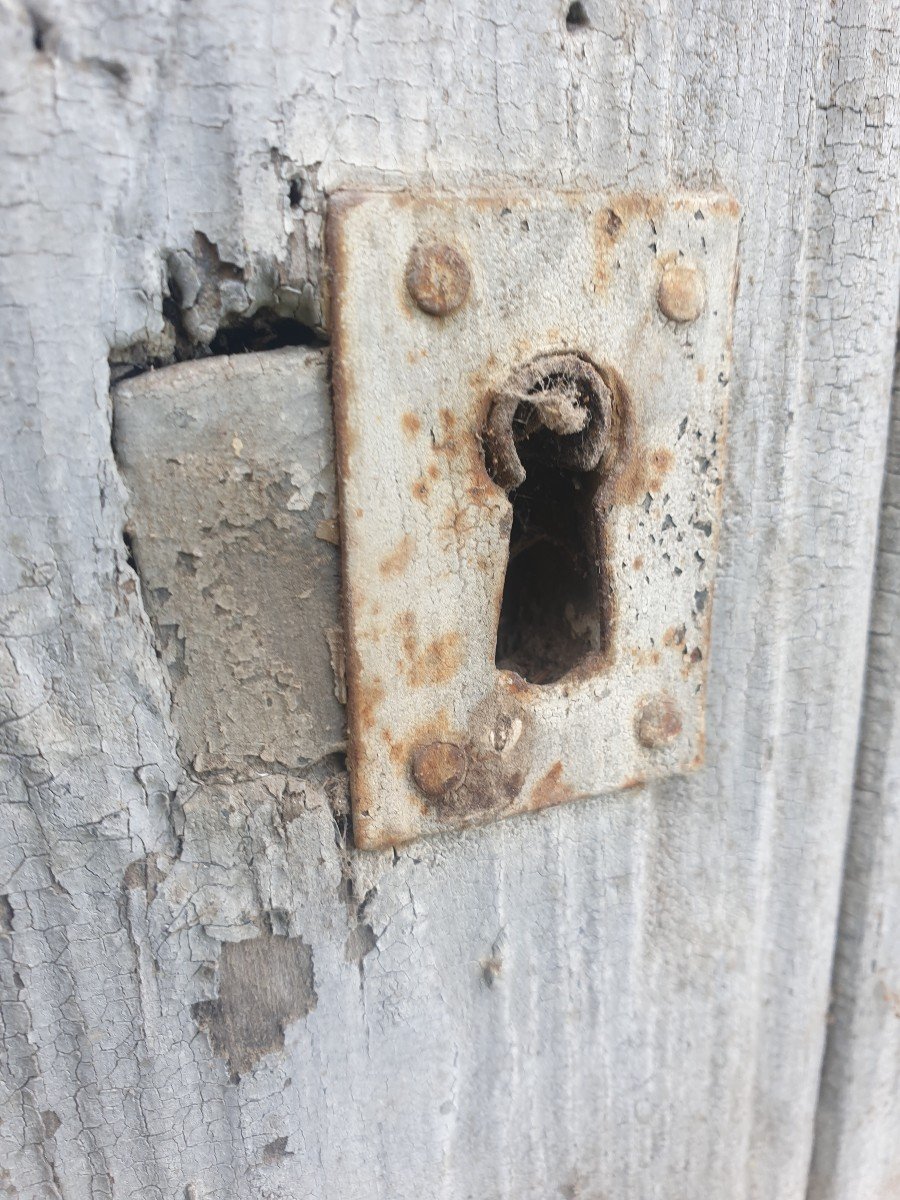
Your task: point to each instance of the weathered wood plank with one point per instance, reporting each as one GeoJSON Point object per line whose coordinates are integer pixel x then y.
{"type": "Point", "coordinates": [619, 998]}
{"type": "Point", "coordinates": [857, 1146]}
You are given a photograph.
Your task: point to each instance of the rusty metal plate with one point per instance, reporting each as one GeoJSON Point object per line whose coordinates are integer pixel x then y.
{"type": "Point", "coordinates": [530, 399]}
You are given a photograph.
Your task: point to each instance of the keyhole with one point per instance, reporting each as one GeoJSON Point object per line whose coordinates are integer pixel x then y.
{"type": "Point", "coordinates": [552, 441]}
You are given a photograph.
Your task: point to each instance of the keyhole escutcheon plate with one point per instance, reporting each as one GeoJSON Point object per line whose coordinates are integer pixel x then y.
{"type": "Point", "coordinates": [530, 395]}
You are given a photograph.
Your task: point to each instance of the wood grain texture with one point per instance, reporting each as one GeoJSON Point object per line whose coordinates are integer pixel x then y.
{"type": "Point", "coordinates": [622, 998]}
{"type": "Point", "coordinates": [857, 1146]}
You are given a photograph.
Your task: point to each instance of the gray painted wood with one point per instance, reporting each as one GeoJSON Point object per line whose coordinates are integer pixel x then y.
{"type": "Point", "coordinates": [857, 1145]}
{"type": "Point", "coordinates": [619, 998]}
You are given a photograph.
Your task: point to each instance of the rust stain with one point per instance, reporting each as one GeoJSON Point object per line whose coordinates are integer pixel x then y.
{"type": "Point", "coordinates": [633, 781]}
{"type": "Point", "coordinates": [446, 442]}
{"type": "Point", "coordinates": [607, 228]}
{"type": "Point", "coordinates": [435, 662]}
{"type": "Point", "coordinates": [421, 490]}
{"type": "Point", "coordinates": [399, 558]}
{"type": "Point", "coordinates": [629, 205]}
{"type": "Point", "coordinates": [657, 722]}
{"type": "Point", "coordinates": [497, 749]}
{"type": "Point", "coordinates": [438, 278]}
{"type": "Point", "coordinates": [367, 834]}
{"type": "Point", "coordinates": [411, 424]}
{"type": "Point", "coordinates": [435, 728]}
{"type": "Point", "coordinates": [439, 768]}
{"type": "Point", "coordinates": [644, 657]}
{"type": "Point", "coordinates": [550, 789]}
{"type": "Point", "coordinates": [661, 461]}
{"type": "Point", "coordinates": [438, 663]}
{"type": "Point", "coordinates": [643, 472]}
{"type": "Point", "coordinates": [517, 686]}
{"type": "Point", "coordinates": [724, 205]}
{"type": "Point", "coordinates": [638, 562]}
{"type": "Point", "coordinates": [341, 375]}
{"type": "Point", "coordinates": [367, 697]}
{"type": "Point", "coordinates": [361, 701]}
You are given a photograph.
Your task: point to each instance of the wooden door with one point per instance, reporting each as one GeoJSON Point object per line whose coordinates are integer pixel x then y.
{"type": "Point", "coordinates": [207, 991]}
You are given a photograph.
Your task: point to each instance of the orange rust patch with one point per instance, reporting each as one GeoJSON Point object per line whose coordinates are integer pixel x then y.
{"type": "Point", "coordinates": [516, 685]}
{"type": "Point", "coordinates": [551, 789]}
{"type": "Point", "coordinates": [434, 663]}
{"type": "Point", "coordinates": [438, 278]}
{"type": "Point", "coordinates": [657, 722]}
{"type": "Point", "coordinates": [631, 486]}
{"type": "Point", "coordinates": [397, 561]}
{"type": "Point", "coordinates": [633, 204]}
{"type": "Point", "coordinates": [439, 768]}
{"type": "Point", "coordinates": [607, 228]}
{"type": "Point", "coordinates": [436, 728]}
{"type": "Point", "coordinates": [439, 661]}
{"type": "Point", "coordinates": [633, 781]}
{"type": "Point", "coordinates": [411, 424]}
{"type": "Point", "coordinates": [421, 490]}
{"type": "Point", "coordinates": [446, 441]}
{"type": "Point", "coordinates": [367, 699]}
{"type": "Point", "coordinates": [644, 657]}
{"type": "Point", "coordinates": [725, 204]}
{"type": "Point", "coordinates": [641, 474]}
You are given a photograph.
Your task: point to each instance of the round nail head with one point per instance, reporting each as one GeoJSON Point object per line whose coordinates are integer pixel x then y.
{"type": "Point", "coordinates": [438, 279]}
{"type": "Point", "coordinates": [657, 722]}
{"type": "Point", "coordinates": [681, 295]}
{"type": "Point", "coordinates": [439, 768]}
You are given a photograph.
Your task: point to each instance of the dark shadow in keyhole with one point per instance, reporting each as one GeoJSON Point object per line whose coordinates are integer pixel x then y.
{"type": "Point", "coordinates": [555, 607]}
{"type": "Point", "coordinates": [554, 439]}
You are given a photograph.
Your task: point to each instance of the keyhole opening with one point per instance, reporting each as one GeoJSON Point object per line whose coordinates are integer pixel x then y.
{"type": "Point", "coordinates": [550, 442]}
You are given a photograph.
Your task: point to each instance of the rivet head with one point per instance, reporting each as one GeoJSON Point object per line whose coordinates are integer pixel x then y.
{"type": "Point", "coordinates": [437, 278]}
{"type": "Point", "coordinates": [681, 294]}
{"type": "Point", "coordinates": [439, 768]}
{"type": "Point", "coordinates": [657, 722]}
